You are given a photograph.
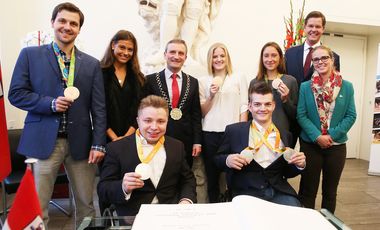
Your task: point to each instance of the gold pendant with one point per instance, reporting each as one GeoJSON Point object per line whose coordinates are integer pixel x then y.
{"type": "Point", "coordinates": [176, 114]}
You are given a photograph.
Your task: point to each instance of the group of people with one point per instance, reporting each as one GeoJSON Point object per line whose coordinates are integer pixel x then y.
{"type": "Point", "coordinates": [144, 132]}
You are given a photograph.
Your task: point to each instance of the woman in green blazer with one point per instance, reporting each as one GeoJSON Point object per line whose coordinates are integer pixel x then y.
{"type": "Point", "coordinates": [325, 112]}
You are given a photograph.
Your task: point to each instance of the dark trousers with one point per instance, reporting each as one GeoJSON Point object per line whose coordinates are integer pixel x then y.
{"type": "Point", "coordinates": [331, 162]}
{"type": "Point", "coordinates": [210, 145]}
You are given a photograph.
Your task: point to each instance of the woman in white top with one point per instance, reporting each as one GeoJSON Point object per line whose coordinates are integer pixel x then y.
{"type": "Point", "coordinates": [224, 99]}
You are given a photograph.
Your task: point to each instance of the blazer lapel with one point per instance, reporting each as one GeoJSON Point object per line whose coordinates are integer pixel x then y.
{"type": "Point", "coordinates": [78, 62]}
{"type": "Point", "coordinates": [167, 168]}
{"type": "Point", "coordinates": [52, 59]}
{"type": "Point", "coordinates": [184, 85]}
{"type": "Point", "coordinates": [300, 61]}
{"type": "Point", "coordinates": [163, 83]}
{"type": "Point", "coordinates": [244, 138]}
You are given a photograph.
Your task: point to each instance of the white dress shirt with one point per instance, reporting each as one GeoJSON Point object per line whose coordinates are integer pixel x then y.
{"type": "Point", "coordinates": [169, 81]}
{"type": "Point", "coordinates": [306, 50]}
{"type": "Point", "coordinates": [157, 164]}
{"type": "Point", "coordinates": [265, 156]}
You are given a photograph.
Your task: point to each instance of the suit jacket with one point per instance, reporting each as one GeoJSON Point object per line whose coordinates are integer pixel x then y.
{"type": "Point", "coordinates": [177, 180]}
{"type": "Point", "coordinates": [253, 177]}
{"type": "Point", "coordinates": [188, 129]}
{"type": "Point", "coordinates": [294, 63]}
{"type": "Point", "coordinates": [36, 81]}
{"type": "Point", "coordinates": [343, 117]}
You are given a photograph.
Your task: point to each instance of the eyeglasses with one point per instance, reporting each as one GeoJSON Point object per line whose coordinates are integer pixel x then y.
{"type": "Point", "coordinates": [323, 59]}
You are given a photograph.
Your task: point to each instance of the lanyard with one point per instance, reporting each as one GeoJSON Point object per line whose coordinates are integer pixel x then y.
{"type": "Point", "coordinates": [259, 139]}
{"type": "Point", "coordinates": [68, 75]}
{"type": "Point", "coordinates": [152, 153]}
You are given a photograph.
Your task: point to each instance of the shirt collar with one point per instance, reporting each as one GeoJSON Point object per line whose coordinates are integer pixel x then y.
{"type": "Point", "coordinates": [306, 46]}
{"type": "Point", "coordinates": [169, 73]}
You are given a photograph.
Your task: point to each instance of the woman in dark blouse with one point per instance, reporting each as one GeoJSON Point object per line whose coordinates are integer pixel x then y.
{"type": "Point", "coordinates": [123, 83]}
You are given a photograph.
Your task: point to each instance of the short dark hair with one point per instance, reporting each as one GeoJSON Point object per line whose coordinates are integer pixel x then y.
{"type": "Point", "coordinates": [176, 41]}
{"type": "Point", "coordinates": [69, 7]}
{"type": "Point", "coordinates": [316, 14]}
{"type": "Point", "coordinates": [155, 102]}
{"type": "Point", "coordinates": [260, 87]}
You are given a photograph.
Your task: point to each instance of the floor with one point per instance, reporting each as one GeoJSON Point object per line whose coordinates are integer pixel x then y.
{"type": "Point", "coordinates": [358, 203]}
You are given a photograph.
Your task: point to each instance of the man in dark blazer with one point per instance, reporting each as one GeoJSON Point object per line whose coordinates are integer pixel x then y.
{"type": "Point", "coordinates": [252, 154]}
{"type": "Point", "coordinates": [185, 112]}
{"type": "Point", "coordinates": [297, 56]}
{"type": "Point", "coordinates": [171, 181]}
{"type": "Point", "coordinates": [61, 129]}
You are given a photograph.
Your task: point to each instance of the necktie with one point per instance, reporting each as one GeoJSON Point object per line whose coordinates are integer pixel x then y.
{"type": "Point", "coordinates": [306, 67]}
{"type": "Point", "coordinates": [175, 91]}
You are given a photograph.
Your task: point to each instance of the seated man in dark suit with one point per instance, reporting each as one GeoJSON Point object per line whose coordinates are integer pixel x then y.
{"type": "Point", "coordinates": [147, 167]}
{"type": "Point", "coordinates": [252, 153]}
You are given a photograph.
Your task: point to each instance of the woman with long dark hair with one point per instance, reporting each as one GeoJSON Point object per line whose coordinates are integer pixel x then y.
{"type": "Point", "coordinates": [123, 82]}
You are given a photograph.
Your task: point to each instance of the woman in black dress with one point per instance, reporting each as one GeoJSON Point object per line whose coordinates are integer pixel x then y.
{"type": "Point", "coordinates": [123, 82]}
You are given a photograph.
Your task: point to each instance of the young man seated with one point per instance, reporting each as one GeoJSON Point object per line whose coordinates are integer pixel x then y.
{"type": "Point", "coordinates": [146, 167]}
{"type": "Point", "coordinates": [252, 153]}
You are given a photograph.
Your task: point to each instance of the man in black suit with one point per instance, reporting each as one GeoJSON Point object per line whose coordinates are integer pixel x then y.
{"type": "Point", "coordinates": [181, 91]}
{"type": "Point", "coordinates": [166, 178]}
{"type": "Point", "coordinates": [252, 153]}
{"type": "Point", "coordinates": [296, 57]}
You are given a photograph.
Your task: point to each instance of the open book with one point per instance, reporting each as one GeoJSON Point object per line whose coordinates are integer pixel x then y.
{"type": "Point", "coordinates": [243, 213]}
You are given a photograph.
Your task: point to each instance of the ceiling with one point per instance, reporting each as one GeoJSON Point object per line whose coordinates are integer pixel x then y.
{"type": "Point", "coordinates": [351, 29]}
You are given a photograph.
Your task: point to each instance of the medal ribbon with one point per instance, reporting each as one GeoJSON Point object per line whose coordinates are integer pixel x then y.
{"type": "Point", "coordinates": [260, 140]}
{"type": "Point", "coordinates": [68, 75]}
{"type": "Point", "coordinates": [152, 153]}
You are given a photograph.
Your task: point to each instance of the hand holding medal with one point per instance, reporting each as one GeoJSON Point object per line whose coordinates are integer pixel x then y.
{"type": "Point", "coordinates": [131, 181]}
{"type": "Point", "coordinates": [247, 153]}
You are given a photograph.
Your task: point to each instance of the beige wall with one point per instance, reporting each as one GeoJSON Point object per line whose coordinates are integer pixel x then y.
{"type": "Point", "coordinates": [244, 25]}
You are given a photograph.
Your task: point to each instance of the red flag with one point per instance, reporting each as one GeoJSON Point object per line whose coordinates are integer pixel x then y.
{"type": "Point", "coordinates": [25, 212]}
{"type": "Point", "coordinates": [5, 159]}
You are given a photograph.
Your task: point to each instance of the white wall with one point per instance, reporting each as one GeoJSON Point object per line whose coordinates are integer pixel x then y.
{"type": "Point", "coordinates": [243, 25]}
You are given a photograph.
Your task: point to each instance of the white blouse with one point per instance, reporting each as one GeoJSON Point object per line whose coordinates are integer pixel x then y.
{"type": "Point", "coordinates": [228, 103]}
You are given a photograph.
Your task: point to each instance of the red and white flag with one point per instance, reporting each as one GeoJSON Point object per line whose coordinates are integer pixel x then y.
{"type": "Point", "coordinates": [5, 159]}
{"type": "Point", "coordinates": [25, 212]}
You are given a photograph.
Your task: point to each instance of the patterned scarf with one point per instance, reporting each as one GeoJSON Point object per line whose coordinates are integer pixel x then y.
{"type": "Point", "coordinates": [325, 94]}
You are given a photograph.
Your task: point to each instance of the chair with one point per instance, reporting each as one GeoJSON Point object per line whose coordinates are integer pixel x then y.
{"type": "Point", "coordinates": [11, 183]}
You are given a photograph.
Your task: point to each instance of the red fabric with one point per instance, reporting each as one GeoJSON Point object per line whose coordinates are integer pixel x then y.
{"type": "Point", "coordinates": [175, 91]}
{"type": "Point", "coordinates": [306, 67]}
{"type": "Point", "coordinates": [26, 206]}
{"type": "Point", "coordinates": [5, 159]}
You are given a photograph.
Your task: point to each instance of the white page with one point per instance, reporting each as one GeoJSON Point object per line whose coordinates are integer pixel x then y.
{"type": "Point", "coordinates": [186, 217]}
{"type": "Point", "coordinates": [255, 213]}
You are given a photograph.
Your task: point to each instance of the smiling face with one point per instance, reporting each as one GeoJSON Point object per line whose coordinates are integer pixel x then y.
{"type": "Point", "coordinates": [219, 60]}
{"type": "Point", "coordinates": [322, 61]}
{"type": "Point", "coordinates": [123, 51]}
{"type": "Point", "coordinates": [66, 27]}
{"type": "Point", "coordinates": [313, 30]}
{"type": "Point", "coordinates": [152, 123]}
{"type": "Point", "coordinates": [175, 56]}
{"type": "Point", "coordinates": [271, 58]}
{"type": "Point", "coordinates": [261, 107]}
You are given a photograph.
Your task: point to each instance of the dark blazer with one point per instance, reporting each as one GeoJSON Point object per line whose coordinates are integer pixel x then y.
{"type": "Point", "coordinates": [253, 178]}
{"type": "Point", "coordinates": [188, 129]}
{"type": "Point", "coordinates": [177, 180]}
{"type": "Point", "coordinates": [36, 81]}
{"type": "Point", "coordinates": [294, 64]}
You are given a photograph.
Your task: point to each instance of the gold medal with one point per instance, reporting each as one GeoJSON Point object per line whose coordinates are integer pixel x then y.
{"type": "Point", "coordinates": [176, 114]}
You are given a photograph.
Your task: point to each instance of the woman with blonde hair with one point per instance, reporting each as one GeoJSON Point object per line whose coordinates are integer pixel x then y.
{"type": "Point", "coordinates": [325, 112]}
{"type": "Point", "coordinates": [224, 99]}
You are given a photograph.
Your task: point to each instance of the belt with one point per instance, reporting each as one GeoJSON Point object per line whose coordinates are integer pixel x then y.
{"type": "Point", "coordinates": [62, 135]}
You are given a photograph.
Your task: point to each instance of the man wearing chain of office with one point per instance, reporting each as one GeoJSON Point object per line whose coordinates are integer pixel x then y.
{"type": "Point", "coordinates": [181, 91]}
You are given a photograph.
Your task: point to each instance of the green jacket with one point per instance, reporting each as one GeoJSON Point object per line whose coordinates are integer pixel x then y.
{"type": "Point", "coordinates": [343, 117]}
